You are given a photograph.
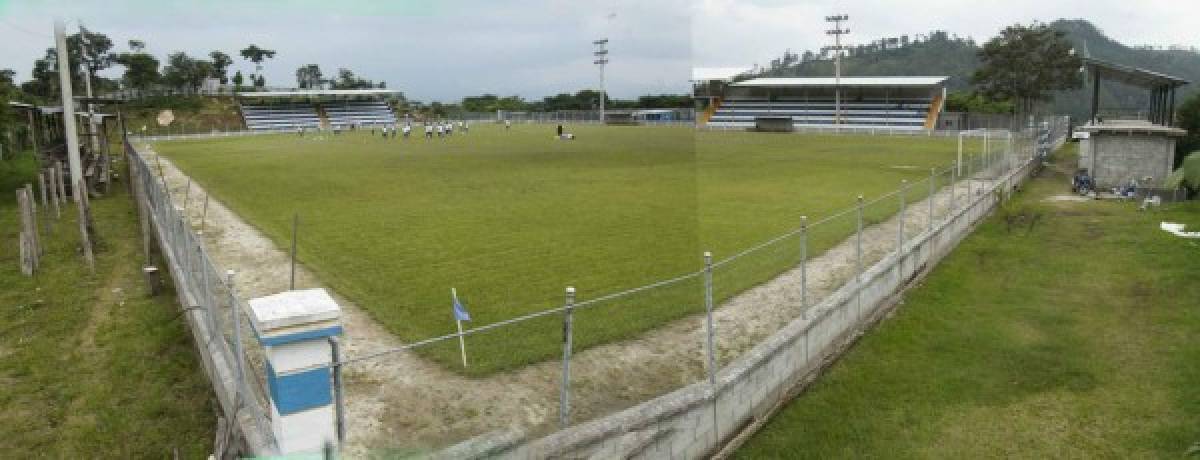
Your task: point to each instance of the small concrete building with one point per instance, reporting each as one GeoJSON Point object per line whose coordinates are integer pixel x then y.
{"type": "Point", "coordinates": [1137, 145]}
{"type": "Point", "coordinates": [1118, 151]}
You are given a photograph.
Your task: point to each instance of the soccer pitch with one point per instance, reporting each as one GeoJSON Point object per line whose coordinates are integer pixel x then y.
{"type": "Point", "coordinates": [510, 218]}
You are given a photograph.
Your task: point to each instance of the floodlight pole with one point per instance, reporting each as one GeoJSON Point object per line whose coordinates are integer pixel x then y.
{"type": "Point", "coordinates": [837, 31]}
{"type": "Point", "coordinates": [601, 55]}
{"type": "Point", "coordinates": [68, 106]}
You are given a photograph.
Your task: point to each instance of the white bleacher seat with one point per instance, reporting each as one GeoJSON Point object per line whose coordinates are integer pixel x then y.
{"type": "Point", "coordinates": [363, 113]}
{"type": "Point", "coordinates": [892, 113]}
{"type": "Point", "coordinates": [280, 116]}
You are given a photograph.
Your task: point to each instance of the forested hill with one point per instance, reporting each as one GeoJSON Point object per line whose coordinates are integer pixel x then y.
{"type": "Point", "coordinates": [939, 53]}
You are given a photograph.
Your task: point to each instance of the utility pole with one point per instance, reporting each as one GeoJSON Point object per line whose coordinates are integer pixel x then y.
{"type": "Point", "coordinates": [68, 106]}
{"type": "Point", "coordinates": [837, 31]}
{"type": "Point", "coordinates": [87, 84]}
{"type": "Point", "coordinates": [601, 55]}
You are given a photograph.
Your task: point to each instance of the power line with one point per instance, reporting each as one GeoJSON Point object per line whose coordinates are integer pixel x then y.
{"type": "Point", "coordinates": [24, 30]}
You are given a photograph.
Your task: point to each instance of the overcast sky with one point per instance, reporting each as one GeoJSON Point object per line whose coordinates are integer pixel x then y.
{"type": "Point", "coordinates": [447, 49]}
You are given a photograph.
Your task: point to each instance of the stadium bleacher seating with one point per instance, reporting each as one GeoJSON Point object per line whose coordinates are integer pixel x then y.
{"type": "Point", "coordinates": [893, 113]}
{"type": "Point", "coordinates": [359, 113]}
{"type": "Point", "coordinates": [280, 116]}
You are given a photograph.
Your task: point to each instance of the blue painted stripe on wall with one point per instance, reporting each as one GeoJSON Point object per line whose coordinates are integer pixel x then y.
{"type": "Point", "coordinates": [298, 392]}
{"type": "Point", "coordinates": [300, 336]}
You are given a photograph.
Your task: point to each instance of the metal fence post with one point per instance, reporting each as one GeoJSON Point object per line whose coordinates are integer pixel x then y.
{"type": "Point", "coordinates": [564, 399]}
{"type": "Point", "coordinates": [237, 333]}
{"type": "Point", "coordinates": [932, 192]}
{"type": "Point", "coordinates": [708, 306]}
{"type": "Point", "coordinates": [954, 188]}
{"type": "Point", "coordinates": [804, 267]}
{"type": "Point", "coordinates": [858, 262]}
{"type": "Point", "coordinates": [900, 228]}
{"type": "Point", "coordinates": [339, 398]}
{"type": "Point", "coordinates": [295, 225]}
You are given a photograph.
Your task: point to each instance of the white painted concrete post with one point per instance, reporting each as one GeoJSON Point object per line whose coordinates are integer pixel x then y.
{"type": "Point", "coordinates": [294, 328]}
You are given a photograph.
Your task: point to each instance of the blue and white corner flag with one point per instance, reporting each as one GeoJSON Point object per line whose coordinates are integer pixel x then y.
{"type": "Point", "coordinates": [460, 312]}
{"type": "Point", "coordinates": [460, 315]}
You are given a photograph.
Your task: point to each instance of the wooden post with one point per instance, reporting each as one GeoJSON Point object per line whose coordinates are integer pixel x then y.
{"type": "Point", "coordinates": [83, 227]}
{"type": "Point", "coordinates": [33, 131]}
{"type": "Point", "coordinates": [53, 186]}
{"type": "Point", "coordinates": [28, 253]}
{"type": "Point", "coordinates": [150, 273]}
{"type": "Point", "coordinates": [62, 181]}
{"type": "Point", "coordinates": [34, 230]}
{"type": "Point", "coordinates": [143, 208]}
{"type": "Point", "coordinates": [42, 188]}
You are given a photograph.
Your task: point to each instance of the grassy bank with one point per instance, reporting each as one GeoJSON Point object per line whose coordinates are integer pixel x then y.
{"type": "Point", "coordinates": [91, 367]}
{"type": "Point", "coordinates": [1073, 338]}
{"type": "Point", "coordinates": [510, 218]}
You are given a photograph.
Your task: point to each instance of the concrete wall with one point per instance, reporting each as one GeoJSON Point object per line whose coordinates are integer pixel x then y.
{"type": "Point", "coordinates": [697, 420]}
{"type": "Point", "coordinates": [1115, 158]}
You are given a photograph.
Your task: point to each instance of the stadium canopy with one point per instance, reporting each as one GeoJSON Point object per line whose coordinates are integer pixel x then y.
{"type": "Point", "coordinates": [1131, 75]}
{"type": "Point", "coordinates": [854, 82]}
{"type": "Point", "coordinates": [725, 74]}
{"type": "Point", "coordinates": [320, 93]}
{"type": "Point", "coordinates": [1161, 86]}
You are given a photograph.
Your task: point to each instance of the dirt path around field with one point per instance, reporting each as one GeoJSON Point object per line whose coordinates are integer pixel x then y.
{"type": "Point", "coordinates": [401, 401]}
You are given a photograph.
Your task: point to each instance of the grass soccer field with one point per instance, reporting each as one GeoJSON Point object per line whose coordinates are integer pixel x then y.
{"type": "Point", "coordinates": [510, 218]}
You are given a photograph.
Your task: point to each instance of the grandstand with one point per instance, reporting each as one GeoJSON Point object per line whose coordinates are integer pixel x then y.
{"type": "Point", "coordinates": [275, 110]}
{"type": "Point", "coordinates": [903, 103]}
{"type": "Point", "coordinates": [347, 113]}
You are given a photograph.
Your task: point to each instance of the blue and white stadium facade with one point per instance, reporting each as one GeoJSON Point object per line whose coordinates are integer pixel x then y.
{"type": "Point", "coordinates": [902, 103]}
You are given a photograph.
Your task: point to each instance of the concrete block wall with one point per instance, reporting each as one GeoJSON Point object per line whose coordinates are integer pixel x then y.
{"type": "Point", "coordinates": [1114, 159]}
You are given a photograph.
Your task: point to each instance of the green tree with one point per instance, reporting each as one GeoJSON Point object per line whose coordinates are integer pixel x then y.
{"type": "Point", "coordinates": [964, 101]}
{"type": "Point", "coordinates": [8, 92]}
{"type": "Point", "coordinates": [257, 55]}
{"type": "Point", "coordinates": [220, 64]}
{"type": "Point", "coordinates": [141, 68]}
{"type": "Point", "coordinates": [1025, 64]}
{"type": "Point", "coordinates": [1188, 173]}
{"type": "Point", "coordinates": [308, 76]}
{"type": "Point", "coordinates": [183, 71]}
{"type": "Point", "coordinates": [95, 49]}
{"type": "Point", "coordinates": [1188, 117]}
{"type": "Point", "coordinates": [238, 79]}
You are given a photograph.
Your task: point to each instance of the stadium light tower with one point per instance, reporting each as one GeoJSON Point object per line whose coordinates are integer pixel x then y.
{"type": "Point", "coordinates": [601, 55]}
{"type": "Point", "coordinates": [837, 31]}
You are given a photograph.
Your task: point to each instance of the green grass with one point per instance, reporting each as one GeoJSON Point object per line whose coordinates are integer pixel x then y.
{"type": "Point", "coordinates": [511, 218]}
{"type": "Point", "coordinates": [90, 366]}
{"type": "Point", "coordinates": [1075, 339]}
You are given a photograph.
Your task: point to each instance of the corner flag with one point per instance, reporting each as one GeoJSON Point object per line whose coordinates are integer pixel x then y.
{"type": "Point", "coordinates": [460, 315]}
{"type": "Point", "coordinates": [460, 312]}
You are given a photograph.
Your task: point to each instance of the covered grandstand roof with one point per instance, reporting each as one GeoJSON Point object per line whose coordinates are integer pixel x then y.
{"type": "Point", "coordinates": [320, 93]}
{"type": "Point", "coordinates": [717, 73]}
{"type": "Point", "coordinates": [1131, 75]}
{"type": "Point", "coordinates": [845, 81]}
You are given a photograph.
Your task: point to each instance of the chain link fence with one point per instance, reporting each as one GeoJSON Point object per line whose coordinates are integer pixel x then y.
{"type": "Point", "coordinates": [232, 356]}
{"type": "Point", "coordinates": [702, 320]}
